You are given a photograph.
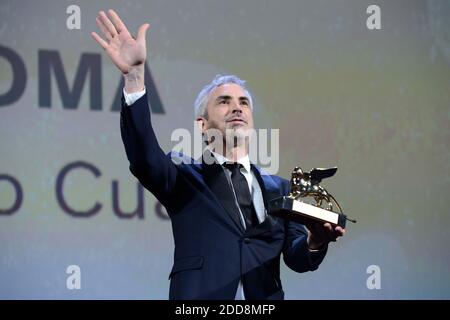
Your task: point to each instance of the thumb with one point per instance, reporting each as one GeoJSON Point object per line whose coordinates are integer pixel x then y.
{"type": "Point", "coordinates": [142, 32]}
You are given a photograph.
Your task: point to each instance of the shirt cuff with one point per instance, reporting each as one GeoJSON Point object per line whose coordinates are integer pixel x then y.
{"type": "Point", "coordinates": [321, 248]}
{"type": "Point", "coordinates": [131, 98]}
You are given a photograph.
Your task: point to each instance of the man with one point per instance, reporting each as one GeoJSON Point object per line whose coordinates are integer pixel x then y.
{"type": "Point", "coordinates": [226, 246]}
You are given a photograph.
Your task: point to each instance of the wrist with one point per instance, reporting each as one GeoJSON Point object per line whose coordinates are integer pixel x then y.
{"type": "Point", "coordinates": [134, 79]}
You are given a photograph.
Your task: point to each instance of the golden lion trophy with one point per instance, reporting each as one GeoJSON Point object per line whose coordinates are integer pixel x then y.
{"type": "Point", "coordinates": [322, 206]}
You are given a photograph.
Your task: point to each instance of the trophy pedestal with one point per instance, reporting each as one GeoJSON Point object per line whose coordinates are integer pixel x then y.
{"type": "Point", "coordinates": [304, 213]}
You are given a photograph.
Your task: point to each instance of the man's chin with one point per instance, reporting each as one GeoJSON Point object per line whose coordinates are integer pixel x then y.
{"type": "Point", "coordinates": [238, 133]}
{"type": "Point", "coordinates": [236, 126]}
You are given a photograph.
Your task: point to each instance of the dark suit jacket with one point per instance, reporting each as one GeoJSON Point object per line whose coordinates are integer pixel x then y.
{"type": "Point", "coordinates": [212, 249]}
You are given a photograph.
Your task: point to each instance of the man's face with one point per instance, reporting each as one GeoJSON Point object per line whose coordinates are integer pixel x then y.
{"type": "Point", "coordinates": [229, 111]}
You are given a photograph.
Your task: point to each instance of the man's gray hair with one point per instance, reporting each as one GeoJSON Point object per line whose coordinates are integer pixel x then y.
{"type": "Point", "coordinates": [202, 98]}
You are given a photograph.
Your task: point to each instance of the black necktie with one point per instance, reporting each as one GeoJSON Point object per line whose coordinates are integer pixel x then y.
{"type": "Point", "coordinates": [243, 195]}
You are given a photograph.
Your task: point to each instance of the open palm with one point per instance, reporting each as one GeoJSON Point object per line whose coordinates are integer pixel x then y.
{"type": "Point", "coordinates": [125, 51]}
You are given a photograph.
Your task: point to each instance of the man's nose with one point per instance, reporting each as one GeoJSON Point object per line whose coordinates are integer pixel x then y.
{"type": "Point", "coordinates": [236, 107]}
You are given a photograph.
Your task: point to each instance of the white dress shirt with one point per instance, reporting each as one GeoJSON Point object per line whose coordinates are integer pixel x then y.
{"type": "Point", "coordinates": [131, 98]}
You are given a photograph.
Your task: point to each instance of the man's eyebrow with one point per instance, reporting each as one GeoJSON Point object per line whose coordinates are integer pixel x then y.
{"type": "Point", "coordinates": [223, 98]}
{"type": "Point", "coordinates": [226, 97]}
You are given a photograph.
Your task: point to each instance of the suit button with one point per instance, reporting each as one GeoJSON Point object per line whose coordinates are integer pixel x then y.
{"type": "Point", "coordinates": [246, 240]}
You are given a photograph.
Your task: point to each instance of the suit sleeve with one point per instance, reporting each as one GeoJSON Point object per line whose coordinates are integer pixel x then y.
{"type": "Point", "coordinates": [148, 162]}
{"type": "Point", "coordinates": [296, 253]}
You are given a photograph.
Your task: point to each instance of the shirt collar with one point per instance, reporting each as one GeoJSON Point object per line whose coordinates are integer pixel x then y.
{"type": "Point", "coordinates": [245, 160]}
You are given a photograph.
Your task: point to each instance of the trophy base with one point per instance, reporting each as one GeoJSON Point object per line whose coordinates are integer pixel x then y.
{"type": "Point", "coordinates": [304, 213]}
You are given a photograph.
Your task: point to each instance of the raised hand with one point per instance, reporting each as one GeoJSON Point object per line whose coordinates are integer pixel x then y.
{"type": "Point", "coordinates": [126, 52]}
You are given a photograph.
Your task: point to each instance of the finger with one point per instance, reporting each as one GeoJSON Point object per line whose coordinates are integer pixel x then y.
{"type": "Point", "coordinates": [108, 24]}
{"type": "Point", "coordinates": [336, 233]}
{"type": "Point", "coordinates": [340, 231]}
{"type": "Point", "coordinates": [328, 227]}
{"type": "Point", "coordinates": [316, 229]}
{"type": "Point", "coordinates": [142, 32]}
{"type": "Point", "coordinates": [103, 28]}
{"type": "Point", "coordinates": [99, 40]}
{"type": "Point", "coordinates": [329, 232]}
{"type": "Point", "coordinates": [118, 24]}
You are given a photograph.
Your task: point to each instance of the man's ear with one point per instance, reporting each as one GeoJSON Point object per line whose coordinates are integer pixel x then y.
{"type": "Point", "coordinates": [200, 123]}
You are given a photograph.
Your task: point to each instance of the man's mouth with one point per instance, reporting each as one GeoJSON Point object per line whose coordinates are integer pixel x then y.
{"type": "Point", "coordinates": [237, 120]}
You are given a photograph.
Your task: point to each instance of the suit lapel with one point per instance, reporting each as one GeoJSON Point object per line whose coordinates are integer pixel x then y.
{"type": "Point", "coordinates": [267, 194]}
{"type": "Point", "coordinates": [269, 190]}
{"type": "Point", "coordinates": [215, 179]}
{"type": "Point", "coordinates": [261, 184]}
